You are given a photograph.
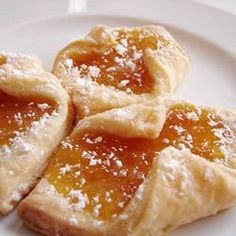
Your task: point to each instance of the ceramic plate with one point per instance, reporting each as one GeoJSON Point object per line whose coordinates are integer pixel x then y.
{"type": "Point", "coordinates": [208, 36]}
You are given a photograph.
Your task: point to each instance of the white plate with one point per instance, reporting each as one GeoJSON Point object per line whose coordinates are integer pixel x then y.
{"type": "Point", "coordinates": [210, 81]}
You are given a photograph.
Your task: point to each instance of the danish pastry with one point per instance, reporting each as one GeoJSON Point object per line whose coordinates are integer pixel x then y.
{"type": "Point", "coordinates": [144, 169]}
{"type": "Point", "coordinates": [115, 67]}
{"type": "Point", "coordinates": [34, 118]}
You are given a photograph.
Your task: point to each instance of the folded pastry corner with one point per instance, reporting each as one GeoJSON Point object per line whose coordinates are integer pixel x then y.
{"type": "Point", "coordinates": [35, 115]}
{"type": "Point", "coordinates": [115, 67]}
{"type": "Point", "coordinates": [125, 181]}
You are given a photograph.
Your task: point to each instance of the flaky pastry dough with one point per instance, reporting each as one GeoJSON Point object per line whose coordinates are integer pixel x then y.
{"type": "Point", "coordinates": [166, 64]}
{"type": "Point", "coordinates": [180, 186]}
{"type": "Point", "coordinates": [23, 159]}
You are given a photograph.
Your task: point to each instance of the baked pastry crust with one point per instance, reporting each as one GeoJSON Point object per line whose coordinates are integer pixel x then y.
{"type": "Point", "coordinates": [177, 187]}
{"type": "Point", "coordinates": [167, 66]}
{"type": "Point", "coordinates": [21, 76]}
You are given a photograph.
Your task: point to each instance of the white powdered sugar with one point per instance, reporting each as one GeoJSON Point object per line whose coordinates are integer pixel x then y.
{"type": "Point", "coordinates": [96, 210]}
{"type": "Point", "coordinates": [73, 221]}
{"type": "Point", "coordinates": [2, 73]}
{"type": "Point", "coordinates": [5, 150]}
{"type": "Point", "coordinates": [21, 145]}
{"type": "Point", "coordinates": [48, 190]}
{"type": "Point", "coordinates": [123, 216]}
{"type": "Point", "coordinates": [96, 199]}
{"type": "Point", "coordinates": [93, 162]}
{"type": "Point", "coordinates": [131, 65]}
{"type": "Point", "coordinates": [17, 195]}
{"type": "Point", "coordinates": [179, 129]}
{"type": "Point", "coordinates": [43, 106]}
{"type": "Point", "coordinates": [36, 126]}
{"type": "Point", "coordinates": [140, 191]}
{"type": "Point", "coordinates": [137, 55]}
{"type": "Point", "coordinates": [121, 204]}
{"type": "Point", "coordinates": [91, 156]}
{"type": "Point", "coordinates": [68, 63]}
{"type": "Point", "coordinates": [124, 42]}
{"type": "Point", "coordinates": [81, 199]}
{"type": "Point", "coordinates": [123, 173]}
{"type": "Point", "coordinates": [77, 173]}
{"type": "Point", "coordinates": [98, 139]}
{"type": "Point", "coordinates": [93, 71]}
{"type": "Point", "coordinates": [212, 123]}
{"type": "Point", "coordinates": [210, 175]}
{"type": "Point", "coordinates": [120, 49]}
{"type": "Point", "coordinates": [125, 113]}
{"type": "Point", "coordinates": [88, 140]}
{"type": "Point", "coordinates": [118, 163]}
{"type": "Point", "coordinates": [82, 181]}
{"type": "Point", "coordinates": [18, 118]}
{"type": "Point", "coordinates": [94, 141]}
{"type": "Point", "coordinates": [66, 144]}
{"type": "Point", "coordinates": [88, 154]}
{"type": "Point", "coordinates": [65, 169]}
{"type": "Point", "coordinates": [192, 116]}
{"type": "Point", "coordinates": [124, 82]}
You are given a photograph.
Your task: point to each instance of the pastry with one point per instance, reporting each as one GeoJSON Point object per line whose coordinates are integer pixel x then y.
{"type": "Point", "coordinates": [115, 67]}
{"type": "Point", "coordinates": [144, 169]}
{"type": "Point", "coordinates": [34, 118]}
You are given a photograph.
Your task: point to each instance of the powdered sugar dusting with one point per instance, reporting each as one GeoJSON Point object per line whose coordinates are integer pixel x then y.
{"type": "Point", "coordinates": [112, 169]}
{"type": "Point", "coordinates": [22, 118]}
{"type": "Point", "coordinates": [102, 174]}
{"type": "Point", "coordinates": [80, 198]}
{"type": "Point", "coordinates": [120, 66]}
{"type": "Point", "coordinates": [202, 131]}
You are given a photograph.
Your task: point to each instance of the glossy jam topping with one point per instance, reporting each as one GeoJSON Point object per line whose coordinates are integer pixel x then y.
{"type": "Point", "coordinates": [17, 114]}
{"type": "Point", "coordinates": [121, 66]}
{"type": "Point", "coordinates": [3, 60]}
{"type": "Point", "coordinates": [200, 130]}
{"type": "Point", "coordinates": [99, 173]}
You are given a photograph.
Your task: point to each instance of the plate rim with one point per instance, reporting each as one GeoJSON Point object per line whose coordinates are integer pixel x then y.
{"type": "Point", "coordinates": [72, 16]}
{"type": "Point", "coordinates": [95, 14]}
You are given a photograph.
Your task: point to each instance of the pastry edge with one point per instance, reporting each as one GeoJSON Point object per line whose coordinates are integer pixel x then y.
{"type": "Point", "coordinates": [33, 74]}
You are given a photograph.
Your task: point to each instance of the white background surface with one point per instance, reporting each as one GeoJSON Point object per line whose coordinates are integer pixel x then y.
{"type": "Point", "coordinates": [209, 37]}
{"type": "Point", "coordinates": [227, 5]}
{"type": "Point", "coordinates": [17, 11]}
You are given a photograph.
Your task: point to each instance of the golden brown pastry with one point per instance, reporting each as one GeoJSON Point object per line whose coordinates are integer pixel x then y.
{"type": "Point", "coordinates": [34, 118]}
{"type": "Point", "coordinates": [115, 67]}
{"type": "Point", "coordinates": [144, 169]}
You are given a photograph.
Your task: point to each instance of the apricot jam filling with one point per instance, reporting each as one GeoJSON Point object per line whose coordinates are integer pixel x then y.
{"type": "Point", "coordinates": [3, 60]}
{"type": "Point", "coordinates": [17, 114]}
{"type": "Point", "coordinates": [99, 173]}
{"type": "Point", "coordinates": [121, 66]}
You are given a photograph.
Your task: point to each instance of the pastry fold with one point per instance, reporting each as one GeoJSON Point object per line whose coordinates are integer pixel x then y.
{"type": "Point", "coordinates": [165, 62]}
{"type": "Point", "coordinates": [179, 188]}
{"type": "Point", "coordinates": [24, 157]}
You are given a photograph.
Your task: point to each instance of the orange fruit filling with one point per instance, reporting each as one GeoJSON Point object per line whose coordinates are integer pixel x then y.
{"type": "Point", "coordinates": [99, 173]}
{"type": "Point", "coordinates": [3, 60]}
{"type": "Point", "coordinates": [121, 66]}
{"type": "Point", "coordinates": [17, 114]}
